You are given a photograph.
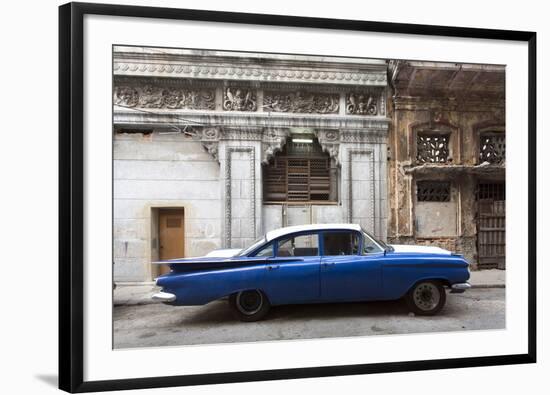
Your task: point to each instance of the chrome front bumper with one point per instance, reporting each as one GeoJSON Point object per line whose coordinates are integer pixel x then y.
{"type": "Point", "coordinates": [163, 297]}
{"type": "Point", "coordinates": [460, 287]}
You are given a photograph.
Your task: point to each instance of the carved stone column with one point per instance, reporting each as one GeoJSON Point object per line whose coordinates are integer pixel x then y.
{"type": "Point", "coordinates": [240, 156]}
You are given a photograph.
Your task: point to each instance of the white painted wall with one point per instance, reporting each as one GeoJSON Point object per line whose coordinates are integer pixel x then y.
{"type": "Point", "coordinates": [161, 170]}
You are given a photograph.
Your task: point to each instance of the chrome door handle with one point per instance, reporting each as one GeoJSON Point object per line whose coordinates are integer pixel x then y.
{"type": "Point", "coordinates": [272, 267]}
{"type": "Point", "coordinates": [328, 263]}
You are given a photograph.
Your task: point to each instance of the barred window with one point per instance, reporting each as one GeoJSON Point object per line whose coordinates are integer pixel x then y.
{"type": "Point", "coordinates": [492, 148]}
{"type": "Point", "coordinates": [433, 191]}
{"type": "Point", "coordinates": [491, 191]}
{"type": "Point", "coordinates": [432, 147]}
{"type": "Point", "coordinates": [302, 172]}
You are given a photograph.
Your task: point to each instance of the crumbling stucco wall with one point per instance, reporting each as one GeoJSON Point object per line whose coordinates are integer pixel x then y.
{"type": "Point", "coordinates": [411, 221]}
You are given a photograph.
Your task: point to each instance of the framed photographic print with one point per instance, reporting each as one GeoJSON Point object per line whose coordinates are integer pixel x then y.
{"type": "Point", "coordinates": [237, 188]}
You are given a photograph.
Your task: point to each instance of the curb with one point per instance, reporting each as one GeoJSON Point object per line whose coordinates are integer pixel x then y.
{"type": "Point", "coordinates": [488, 285]}
{"type": "Point", "coordinates": [140, 303]}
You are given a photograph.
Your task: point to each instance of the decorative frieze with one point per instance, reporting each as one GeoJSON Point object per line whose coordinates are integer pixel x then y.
{"type": "Point", "coordinates": [150, 96]}
{"type": "Point", "coordinates": [362, 104]}
{"type": "Point", "coordinates": [301, 102]}
{"type": "Point", "coordinates": [239, 99]}
{"type": "Point", "coordinates": [365, 136]}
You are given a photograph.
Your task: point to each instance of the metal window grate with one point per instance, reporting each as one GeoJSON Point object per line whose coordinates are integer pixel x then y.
{"type": "Point", "coordinates": [491, 191]}
{"type": "Point", "coordinates": [432, 148]}
{"type": "Point", "coordinates": [433, 191]}
{"type": "Point", "coordinates": [492, 148]}
{"type": "Point", "coordinates": [491, 225]}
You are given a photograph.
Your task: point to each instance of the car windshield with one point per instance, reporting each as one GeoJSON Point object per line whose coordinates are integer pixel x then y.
{"type": "Point", "coordinates": [377, 241]}
{"type": "Point", "coordinates": [257, 243]}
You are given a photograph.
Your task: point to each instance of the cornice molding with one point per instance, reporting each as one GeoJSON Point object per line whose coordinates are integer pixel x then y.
{"type": "Point", "coordinates": [193, 67]}
{"type": "Point", "coordinates": [124, 117]}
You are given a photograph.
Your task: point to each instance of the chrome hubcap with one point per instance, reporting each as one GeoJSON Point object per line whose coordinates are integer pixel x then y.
{"type": "Point", "coordinates": [426, 296]}
{"type": "Point", "coordinates": [249, 302]}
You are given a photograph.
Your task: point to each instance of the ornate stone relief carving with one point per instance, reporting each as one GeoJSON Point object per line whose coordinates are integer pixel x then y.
{"type": "Point", "coordinates": [329, 140]}
{"type": "Point", "coordinates": [212, 149]}
{"type": "Point", "coordinates": [239, 99]}
{"type": "Point", "coordinates": [355, 136]}
{"type": "Point", "coordinates": [272, 142]}
{"type": "Point", "coordinates": [150, 96]}
{"type": "Point", "coordinates": [301, 102]}
{"type": "Point", "coordinates": [362, 104]}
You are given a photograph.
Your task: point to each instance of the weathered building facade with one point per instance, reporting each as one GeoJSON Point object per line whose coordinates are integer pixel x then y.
{"type": "Point", "coordinates": [447, 158]}
{"type": "Point", "coordinates": [212, 149]}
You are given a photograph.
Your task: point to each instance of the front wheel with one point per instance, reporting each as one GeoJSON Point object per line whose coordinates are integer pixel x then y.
{"type": "Point", "coordinates": [249, 306]}
{"type": "Point", "coordinates": [426, 298]}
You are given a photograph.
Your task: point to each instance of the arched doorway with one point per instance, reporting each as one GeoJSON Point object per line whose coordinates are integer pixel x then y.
{"type": "Point", "coordinates": [298, 177]}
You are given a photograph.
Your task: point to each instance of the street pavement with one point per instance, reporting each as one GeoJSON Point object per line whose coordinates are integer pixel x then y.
{"type": "Point", "coordinates": [146, 325]}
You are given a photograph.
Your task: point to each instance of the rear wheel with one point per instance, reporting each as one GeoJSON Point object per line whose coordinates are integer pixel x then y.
{"type": "Point", "coordinates": [250, 305]}
{"type": "Point", "coordinates": [426, 298]}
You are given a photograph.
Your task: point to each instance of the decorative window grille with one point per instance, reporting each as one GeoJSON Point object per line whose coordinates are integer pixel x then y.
{"type": "Point", "coordinates": [492, 148]}
{"type": "Point", "coordinates": [433, 191]}
{"type": "Point", "coordinates": [299, 173]}
{"type": "Point", "coordinates": [432, 148]}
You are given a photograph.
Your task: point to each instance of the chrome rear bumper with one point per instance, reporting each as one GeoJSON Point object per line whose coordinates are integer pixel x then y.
{"type": "Point", "coordinates": [458, 288]}
{"type": "Point", "coordinates": [163, 297]}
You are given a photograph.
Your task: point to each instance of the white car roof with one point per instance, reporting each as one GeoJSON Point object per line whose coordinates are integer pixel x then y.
{"type": "Point", "coordinates": [273, 234]}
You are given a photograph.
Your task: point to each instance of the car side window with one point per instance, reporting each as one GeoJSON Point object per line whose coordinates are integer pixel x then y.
{"type": "Point", "coordinates": [369, 245]}
{"type": "Point", "coordinates": [302, 245]}
{"type": "Point", "coordinates": [265, 251]}
{"type": "Point", "coordinates": [340, 243]}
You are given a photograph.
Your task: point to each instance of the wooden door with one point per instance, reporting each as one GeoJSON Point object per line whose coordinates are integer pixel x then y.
{"type": "Point", "coordinates": [171, 236]}
{"type": "Point", "coordinates": [491, 225]}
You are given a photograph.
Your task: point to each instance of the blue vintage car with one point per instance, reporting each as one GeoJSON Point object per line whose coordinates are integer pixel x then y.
{"type": "Point", "coordinates": [315, 264]}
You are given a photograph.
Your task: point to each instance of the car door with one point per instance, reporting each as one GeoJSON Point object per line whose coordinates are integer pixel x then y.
{"type": "Point", "coordinates": [350, 268]}
{"type": "Point", "coordinates": [292, 274]}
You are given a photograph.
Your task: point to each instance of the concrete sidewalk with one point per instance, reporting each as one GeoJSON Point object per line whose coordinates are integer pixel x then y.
{"type": "Point", "coordinates": [128, 294]}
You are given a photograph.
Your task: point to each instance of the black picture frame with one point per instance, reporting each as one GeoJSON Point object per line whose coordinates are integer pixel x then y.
{"type": "Point", "coordinates": [71, 198]}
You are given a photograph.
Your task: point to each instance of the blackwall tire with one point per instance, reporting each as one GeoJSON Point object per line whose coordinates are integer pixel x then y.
{"type": "Point", "coordinates": [426, 298]}
{"type": "Point", "coordinates": [250, 305]}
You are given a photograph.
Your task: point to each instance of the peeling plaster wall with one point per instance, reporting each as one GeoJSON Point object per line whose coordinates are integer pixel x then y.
{"type": "Point", "coordinates": [465, 122]}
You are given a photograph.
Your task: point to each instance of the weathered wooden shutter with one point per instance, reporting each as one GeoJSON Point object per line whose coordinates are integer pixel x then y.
{"type": "Point", "coordinates": [297, 179]}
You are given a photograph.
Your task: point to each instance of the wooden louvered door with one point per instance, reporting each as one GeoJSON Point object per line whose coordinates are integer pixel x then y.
{"type": "Point", "coordinates": [297, 179]}
{"type": "Point", "coordinates": [491, 225]}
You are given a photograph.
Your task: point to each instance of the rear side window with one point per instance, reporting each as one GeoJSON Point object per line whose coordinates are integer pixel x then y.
{"type": "Point", "coordinates": [340, 243]}
{"type": "Point", "coordinates": [302, 245]}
